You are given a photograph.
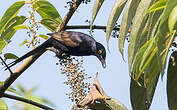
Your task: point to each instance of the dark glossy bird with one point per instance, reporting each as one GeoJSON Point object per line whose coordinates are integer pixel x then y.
{"type": "Point", "coordinates": [69, 43]}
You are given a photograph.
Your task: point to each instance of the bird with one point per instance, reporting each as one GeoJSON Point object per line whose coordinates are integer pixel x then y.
{"type": "Point", "coordinates": [68, 43]}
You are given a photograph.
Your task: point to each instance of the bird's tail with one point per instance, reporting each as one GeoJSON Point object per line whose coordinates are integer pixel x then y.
{"type": "Point", "coordinates": [41, 48]}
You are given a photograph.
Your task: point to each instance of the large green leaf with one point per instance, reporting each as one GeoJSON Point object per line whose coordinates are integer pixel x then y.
{"type": "Point", "coordinates": [138, 25]}
{"type": "Point", "coordinates": [9, 30]}
{"type": "Point", "coordinates": [3, 105]}
{"type": "Point", "coordinates": [172, 19]}
{"type": "Point", "coordinates": [114, 15]}
{"type": "Point", "coordinates": [47, 10]}
{"type": "Point", "coordinates": [96, 8]}
{"type": "Point", "coordinates": [145, 53]}
{"type": "Point", "coordinates": [151, 76]}
{"type": "Point", "coordinates": [128, 15]}
{"type": "Point", "coordinates": [50, 24]}
{"type": "Point", "coordinates": [172, 82]}
{"type": "Point", "coordinates": [158, 6]}
{"type": "Point", "coordinates": [141, 96]}
{"type": "Point", "coordinates": [165, 38]}
{"type": "Point", "coordinates": [155, 18]}
{"type": "Point", "coordinates": [137, 95]}
{"type": "Point", "coordinates": [11, 12]}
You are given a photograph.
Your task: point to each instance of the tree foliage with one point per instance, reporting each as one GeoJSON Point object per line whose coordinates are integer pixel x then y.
{"type": "Point", "coordinates": [151, 28]}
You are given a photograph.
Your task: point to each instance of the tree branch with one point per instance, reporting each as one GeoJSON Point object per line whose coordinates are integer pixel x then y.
{"type": "Point", "coordinates": [27, 101]}
{"type": "Point", "coordinates": [88, 27]}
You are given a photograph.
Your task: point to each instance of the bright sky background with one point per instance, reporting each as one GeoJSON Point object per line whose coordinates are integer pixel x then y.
{"type": "Point", "coordinates": [45, 74]}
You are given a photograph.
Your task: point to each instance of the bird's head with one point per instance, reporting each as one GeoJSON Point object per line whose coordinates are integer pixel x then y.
{"type": "Point", "coordinates": [101, 53]}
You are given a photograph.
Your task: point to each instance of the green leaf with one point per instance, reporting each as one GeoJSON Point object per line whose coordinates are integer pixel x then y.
{"type": "Point", "coordinates": [172, 19]}
{"type": "Point", "coordinates": [137, 95]}
{"type": "Point", "coordinates": [11, 12]}
{"type": "Point", "coordinates": [151, 76]}
{"type": "Point", "coordinates": [47, 10]}
{"type": "Point", "coordinates": [114, 15]}
{"type": "Point", "coordinates": [137, 27]}
{"type": "Point", "coordinates": [21, 26]}
{"type": "Point", "coordinates": [148, 54]}
{"type": "Point", "coordinates": [21, 88]}
{"type": "Point", "coordinates": [158, 6]}
{"type": "Point", "coordinates": [141, 96]}
{"type": "Point", "coordinates": [140, 58]}
{"type": "Point", "coordinates": [10, 56]}
{"type": "Point", "coordinates": [96, 8]}
{"type": "Point", "coordinates": [9, 30]}
{"type": "Point", "coordinates": [3, 105]}
{"type": "Point", "coordinates": [12, 90]}
{"type": "Point", "coordinates": [128, 15]}
{"type": "Point", "coordinates": [50, 24]}
{"type": "Point", "coordinates": [155, 18]}
{"type": "Point", "coordinates": [24, 42]}
{"type": "Point", "coordinates": [172, 82]}
{"type": "Point", "coordinates": [44, 36]}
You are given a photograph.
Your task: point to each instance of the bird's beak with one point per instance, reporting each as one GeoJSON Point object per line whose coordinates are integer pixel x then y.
{"type": "Point", "coordinates": [102, 61]}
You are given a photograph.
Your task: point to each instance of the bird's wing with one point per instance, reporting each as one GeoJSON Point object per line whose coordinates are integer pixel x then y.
{"type": "Point", "coordinates": [68, 38]}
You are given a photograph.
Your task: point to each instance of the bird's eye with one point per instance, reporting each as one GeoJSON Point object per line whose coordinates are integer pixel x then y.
{"type": "Point", "coordinates": [100, 51]}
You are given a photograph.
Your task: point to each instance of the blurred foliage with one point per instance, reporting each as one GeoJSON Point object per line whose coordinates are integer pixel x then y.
{"type": "Point", "coordinates": [25, 93]}
{"type": "Point", "coordinates": [3, 105]}
{"type": "Point", "coordinates": [29, 94]}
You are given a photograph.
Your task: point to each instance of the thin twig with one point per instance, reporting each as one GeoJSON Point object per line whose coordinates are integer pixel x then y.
{"type": "Point", "coordinates": [6, 65]}
{"type": "Point", "coordinates": [88, 27]}
{"type": "Point", "coordinates": [27, 101]}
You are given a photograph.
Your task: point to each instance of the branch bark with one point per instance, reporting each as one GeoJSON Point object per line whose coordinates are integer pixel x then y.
{"type": "Point", "coordinates": [27, 101]}
{"type": "Point", "coordinates": [88, 27]}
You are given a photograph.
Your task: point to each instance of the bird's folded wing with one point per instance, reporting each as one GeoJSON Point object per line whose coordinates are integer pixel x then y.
{"type": "Point", "coordinates": [68, 38]}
